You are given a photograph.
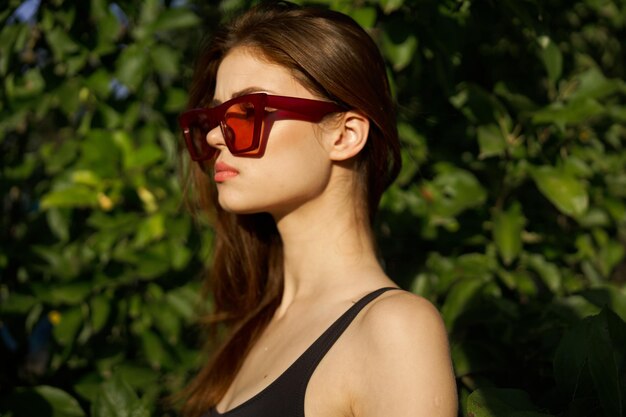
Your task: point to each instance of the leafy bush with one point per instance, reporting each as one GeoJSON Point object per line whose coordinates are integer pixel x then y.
{"type": "Point", "coordinates": [96, 247]}
{"type": "Point", "coordinates": [510, 211]}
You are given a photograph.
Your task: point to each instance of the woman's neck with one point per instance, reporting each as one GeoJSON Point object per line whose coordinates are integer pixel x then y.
{"type": "Point", "coordinates": [327, 246]}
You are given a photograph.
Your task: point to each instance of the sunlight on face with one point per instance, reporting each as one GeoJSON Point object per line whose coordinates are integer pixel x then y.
{"type": "Point", "coordinates": [295, 167]}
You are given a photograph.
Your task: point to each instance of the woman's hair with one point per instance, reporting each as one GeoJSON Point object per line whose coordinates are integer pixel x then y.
{"type": "Point", "coordinates": [334, 58]}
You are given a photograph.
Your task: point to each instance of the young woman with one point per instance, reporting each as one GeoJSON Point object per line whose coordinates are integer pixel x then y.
{"type": "Point", "coordinates": [292, 127]}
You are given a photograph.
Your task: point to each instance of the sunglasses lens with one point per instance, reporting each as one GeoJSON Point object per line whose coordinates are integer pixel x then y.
{"type": "Point", "coordinates": [238, 127]}
{"type": "Point", "coordinates": [198, 130]}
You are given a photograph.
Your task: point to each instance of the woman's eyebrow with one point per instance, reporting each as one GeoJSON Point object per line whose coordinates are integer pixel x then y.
{"type": "Point", "coordinates": [247, 90]}
{"type": "Point", "coordinates": [250, 90]}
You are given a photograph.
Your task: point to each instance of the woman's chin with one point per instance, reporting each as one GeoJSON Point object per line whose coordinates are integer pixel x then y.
{"type": "Point", "coordinates": [239, 207]}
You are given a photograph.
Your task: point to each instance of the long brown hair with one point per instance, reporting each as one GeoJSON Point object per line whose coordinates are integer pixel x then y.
{"type": "Point", "coordinates": [333, 57]}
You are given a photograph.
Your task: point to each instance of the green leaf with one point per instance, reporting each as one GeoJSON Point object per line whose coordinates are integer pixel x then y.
{"type": "Point", "coordinates": [42, 400]}
{"type": "Point", "coordinates": [150, 229]}
{"type": "Point", "coordinates": [124, 143]}
{"type": "Point", "coordinates": [593, 84]}
{"type": "Point", "coordinates": [146, 155]}
{"type": "Point", "coordinates": [176, 18]}
{"type": "Point", "coordinates": [399, 45]}
{"type": "Point", "coordinates": [507, 232]}
{"type": "Point", "coordinates": [390, 6]}
{"type": "Point", "coordinates": [88, 386]}
{"type": "Point", "coordinates": [136, 376]}
{"type": "Point", "coordinates": [117, 399]}
{"type": "Point", "coordinates": [111, 118]}
{"type": "Point", "coordinates": [72, 196]}
{"type": "Point", "coordinates": [565, 191]}
{"type": "Point", "coordinates": [12, 38]}
{"type": "Point", "coordinates": [180, 255]}
{"type": "Point", "coordinates": [611, 254]}
{"type": "Point", "coordinates": [176, 100]}
{"type": "Point", "coordinates": [480, 106]}
{"type": "Point", "coordinates": [59, 222]}
{"type": "Point", "coordinates": [455, 190]}
{"type": "Point", "coordinates": [99, 82]}
{"type": "Point", "coordinates": [183, 300]}
{"type": "Point", "coordinates": [491, 141]}
{"type": "Point", "coordinates": [153, 261]}
{"type": "Point", "coordinates": [518, 101]}
{"type": "Point", "coordinates": [86, 177]}
{"type": "Point", "coordinates": [154, 350]}
{"type": "Point", "coordinates": [100, 311]}
{"type": "Point", "coordinates": [17, 303]}
{"type": "Point", "coordinates": [132, 66]}
{"type": "Point", "coordinates": [31, 84]}
{"type": "Point", "coordinates": [414, 153]}
{"type": "Point", "coordinates": [497, 402]}
{"type": "Point", "coordinates": [150, 10]}
{"type": "Point", "coordinates": [165, 60]}
{"type": "Point", "coordinates": [66, 330]}
{"type": "Point", "coordinates": [416, 142]}
{"type": "Point", "coordinates": [63, 263]}
{"type": "Point", "coordinates": [594, 343]}
{"type": "Point", "coordinates": [60, 43]}
{"type": "Point", "coordinates": [364, 16]}
{"type": "Point", "coordinates": [68, 96]}
{"type": "Point", "coordinates": [100, 154]}
{"type": "Point", "coordinates": [24, 170]}
{"type": "Point", "coordinates": [576, 307]}
{"type": "Point", "coordinates": [109, 29]}
{"type": "Point", "coordinates": [165, 320]}
{"type": "Point", "coordinates": [460, 297]}
{"type": "Point", "coordinates": [76, 62]}
{"type": "Point", "coordinates": [475, 265]}
{"type": "Point", "coordinates": [570, 357]}
{"type": "Point", "coordinates": [71, 293]}
{"type": "Point", "coordinates": [609, 296]}
{"type": "Point", "coordinates": [57, 157]}
{"type": "Point", "coordinates": [577, 167]}
{"type": "Point", "coordinates": [603, 366]}
{"type": "Point", "coordinates": [547, 271]}
{"type": "Point", "coordinates": [61, 402]}
{"type": "Point", "coordinates": [574, 112]}
{"type": "Point", "coordinates": [520, 280]}
{"type": "Point", "coordinates": [552, 58]}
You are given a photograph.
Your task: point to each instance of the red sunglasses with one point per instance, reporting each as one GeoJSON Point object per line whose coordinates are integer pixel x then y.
{"type": "Point", "coordinates": [242, 120]}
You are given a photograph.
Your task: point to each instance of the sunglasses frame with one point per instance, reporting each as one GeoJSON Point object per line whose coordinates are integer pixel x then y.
{"type": "Point", "coordinates": [294, 108]}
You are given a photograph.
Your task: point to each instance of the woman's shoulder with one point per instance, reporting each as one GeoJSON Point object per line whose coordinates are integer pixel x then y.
{"type": "Point", "coordinates": [403, 340]}
{"type": "Point", "coordinates": [400, 324]}
{"type": "Point", "coordinates": [401, 312]}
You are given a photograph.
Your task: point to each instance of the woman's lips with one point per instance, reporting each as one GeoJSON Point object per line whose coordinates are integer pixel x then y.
{"type": "Point", "coordinates": [224, 171]}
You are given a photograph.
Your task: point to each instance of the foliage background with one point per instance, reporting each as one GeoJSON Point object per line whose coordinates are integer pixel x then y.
{"type": "Point", "coordinates": [510, 212]}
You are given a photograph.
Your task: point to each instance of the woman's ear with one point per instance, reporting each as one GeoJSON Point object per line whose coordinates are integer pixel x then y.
{"type": "Point", "coordinates": [349, 137]}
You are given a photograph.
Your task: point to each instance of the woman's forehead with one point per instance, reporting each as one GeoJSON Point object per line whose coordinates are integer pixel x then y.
{"type": "Point", "coordinates": [245, 71]}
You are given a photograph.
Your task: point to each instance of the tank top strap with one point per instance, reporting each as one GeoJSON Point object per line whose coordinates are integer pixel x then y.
{"type": "Point", "coordinates": [285, 396]}
{"type": "Point", "coordinates": [310, 359]}
{"type": "Point", "coordinates": [322, 345]}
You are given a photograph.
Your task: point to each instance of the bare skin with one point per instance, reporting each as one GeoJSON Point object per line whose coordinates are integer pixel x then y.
{"type": "Point", "coordinates": [393, 360]}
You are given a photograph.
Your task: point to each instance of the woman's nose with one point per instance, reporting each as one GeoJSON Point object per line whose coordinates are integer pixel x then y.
{"type": "Point", "coordinates": [215, 138]}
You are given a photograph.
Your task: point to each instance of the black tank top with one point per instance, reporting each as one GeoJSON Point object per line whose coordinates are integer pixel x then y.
{"type": "Point", "coordinates": [284, 397]}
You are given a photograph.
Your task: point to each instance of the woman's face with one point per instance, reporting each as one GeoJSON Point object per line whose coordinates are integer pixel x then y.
{"type": "Point", "coordinates": [295, 167]}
